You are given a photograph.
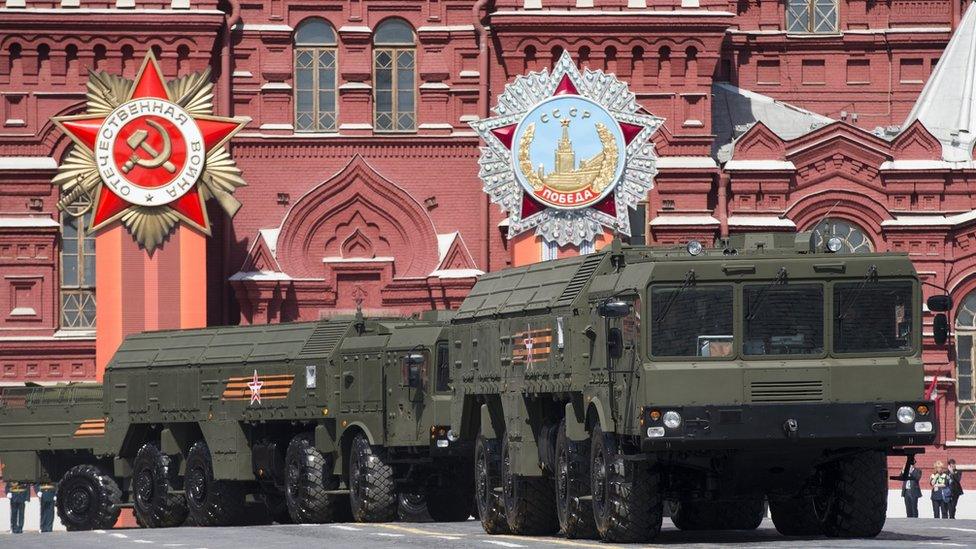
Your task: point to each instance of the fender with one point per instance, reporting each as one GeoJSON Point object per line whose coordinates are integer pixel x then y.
{"type": "Point", "coordinates": [602, 414]}
{"type": "Point", "coordinates": [362, 426]}
{"type": "Point", "coordinates": [230, 450]}
{"type": "Point", "coordinates": [487, 425]}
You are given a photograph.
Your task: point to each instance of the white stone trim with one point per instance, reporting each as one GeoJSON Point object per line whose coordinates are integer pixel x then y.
{"type": "Point", "coordinates": [355, 86]}
{"type": "Point", "coordinates": [28, 163]}
{"type": "Point", "coordinates": [895, 165]}
{"type": "Point", "coordinates": [377, 259]}
{"type": "Point", "coordinates": [27, 222]}
{"type": "Point", "coordinates": [759, 165]}
{"type": "Point", "coordinates": [665, 162]}
{"type": "Point", "coordinates": [259, 276]}
{"type": "Point", "coordinates": [929, 220]}
{"type": "Point", "coordinates": [446, 28]}
{"type": "Point", "coordinates": [667, 220]}
{"type": "Point", "coordinates": [434, 86]}
{"type": "Point", "coordinates": [355, 28]}
{"type": "Point", "coordinates": [242, 74]}
{"type": "Point", "coordinates": [263, 27]}
{"type": "Point", "coordinates": [599, 13]}
{"type": "Point", "coordinates": [469, 74]}
{"type": "Point", "coordinates": [435, 126]}
{"type": "Point", "coordinates": [457, 273]}
{"type": "Point", "coordinates": [356, 127]}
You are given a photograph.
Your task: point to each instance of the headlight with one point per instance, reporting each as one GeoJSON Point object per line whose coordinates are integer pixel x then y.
{"type": "Point", "coordinates": [923, 427]}
{"type": "Point", "coordinates": [451, 435]}
{"type": "Point", "coordinates": [441, 443]}
{"type": "Point", "coordinates": [834, 244]}
{"type": "Point", "coordinates": [694, 247]}
{"type": "Point", "coordinates": [906, 414]}
{"type": "Point", "coordinates": [655, 432]}
{"type": "Point", "coordinates": [672, 419]}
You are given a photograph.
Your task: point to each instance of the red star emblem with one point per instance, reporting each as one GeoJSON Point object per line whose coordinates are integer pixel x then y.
{"type": "Point", "coordinates": [506, 134]}
{"type": "Point", "coordinates": [149, 151]}
{"type": "Point", "coordinates": [255, 387]}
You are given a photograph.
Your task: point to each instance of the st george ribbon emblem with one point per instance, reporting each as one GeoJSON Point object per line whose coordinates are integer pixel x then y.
{"type": "Point", "coordinates": [149, 153]}
{"type": "Point", "coordinates": [567, 154]}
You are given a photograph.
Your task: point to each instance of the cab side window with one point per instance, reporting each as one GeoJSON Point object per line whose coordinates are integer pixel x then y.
{"type": "Point", "coordinates": [443, 368]}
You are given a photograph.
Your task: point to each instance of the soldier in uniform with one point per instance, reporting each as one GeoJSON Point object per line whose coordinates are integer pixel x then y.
{"type": "Point", "coordinates": [19, 495]}
{"type": "Point", "coordinates": [45, 492]}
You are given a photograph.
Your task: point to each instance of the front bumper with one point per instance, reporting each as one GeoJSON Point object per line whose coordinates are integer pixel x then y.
{"type": "Point", "coordinates": [775, 425]}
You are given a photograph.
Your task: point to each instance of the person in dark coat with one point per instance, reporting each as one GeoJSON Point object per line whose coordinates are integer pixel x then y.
{"type": "Point", "coordinates": [955, 478]}
{"type": "Point", "coordinates": [45, 493]}
{"type": "Point", "coordinates": [912, 491]}
{"type": "Point", "coordinates": [19, 495]}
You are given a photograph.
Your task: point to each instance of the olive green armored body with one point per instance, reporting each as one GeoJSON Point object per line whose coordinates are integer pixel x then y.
{"type": "Point", "coordinates": [588, 395]}
{"type": "Point", "coordinates": [315, 422]}
{"type": "Point", "coordinates": [602, 390]}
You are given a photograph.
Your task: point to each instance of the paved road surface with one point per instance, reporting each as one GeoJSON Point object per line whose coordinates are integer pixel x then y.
{"type": "Point", "coordinates": [919, 533]}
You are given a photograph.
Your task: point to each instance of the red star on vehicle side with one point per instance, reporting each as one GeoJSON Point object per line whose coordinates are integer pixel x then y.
{"type": "Point", "coordinates": [255, 387]}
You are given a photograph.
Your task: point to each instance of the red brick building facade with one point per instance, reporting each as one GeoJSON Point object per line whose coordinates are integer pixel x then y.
{"type": "Point", "coordinates": [362, 169]}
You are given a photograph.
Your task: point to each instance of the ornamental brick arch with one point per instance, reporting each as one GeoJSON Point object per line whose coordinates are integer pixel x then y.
{"type": "Point", "coordinates": [859, 209]}
{"type": "Point", "coordinates": [357, 210]}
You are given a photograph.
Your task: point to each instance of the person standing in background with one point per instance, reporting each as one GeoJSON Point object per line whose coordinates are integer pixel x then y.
{"type": "Point", "coordinates": [912, 491]}
{"type": "Point", "coordinates": [955, 485]}
{"type": "Point", "coordinates": [45, 493]}
{"type": "Point", "coordinates": [940, 491]}
{"type": "Point", "coordinates": [19, 495]}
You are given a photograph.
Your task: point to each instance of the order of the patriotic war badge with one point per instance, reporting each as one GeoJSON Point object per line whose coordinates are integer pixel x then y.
{"type": "Point", "coordinates": [149, 153]}
{"type": "Point", "coordinates": [567, 154]}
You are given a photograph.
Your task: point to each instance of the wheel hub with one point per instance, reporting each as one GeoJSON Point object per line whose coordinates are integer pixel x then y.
{"type": "Point", "coordinates": [197, 485]}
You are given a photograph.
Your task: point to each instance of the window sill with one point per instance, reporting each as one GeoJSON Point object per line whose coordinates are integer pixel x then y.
{"type": "Point", "coordinates": [75, 334]}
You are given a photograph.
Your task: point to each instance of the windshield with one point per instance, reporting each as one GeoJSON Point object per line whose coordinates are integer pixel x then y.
{"type": "Point", "coordinates": [783, 319]}
{"type": "Point", "coordinates": [691, 321]}
{"type": "Point", "coordinates": [873, 317]}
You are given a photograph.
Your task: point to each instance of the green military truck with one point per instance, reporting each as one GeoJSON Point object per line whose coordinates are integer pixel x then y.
{"type": "Point", "coordinates": [318, 421]}
{"type": "Point", "coordinates": [601, 390]}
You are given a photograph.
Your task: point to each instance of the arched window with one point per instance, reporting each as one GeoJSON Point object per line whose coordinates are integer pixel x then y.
{"type": "Point", "coordinates": [77, 268]}
{"type": "Point", "coordinates": [854, 238]}
{"type": "Point", "coordinates": [315, 76]}
{"type": "Point", "coordinates": [394, 77]}
{"type": "Point", "coordinates": [965, 331]}
{"type": "Point", "coordinates": [813, 16]}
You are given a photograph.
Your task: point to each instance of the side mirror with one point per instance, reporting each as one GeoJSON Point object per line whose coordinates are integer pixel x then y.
{"type": "Point", "coordinates": [939, 303]}
{"type": "Point", "coordinates": [940, 329]}
{"type": "Point", "coordinates": [615, 343]}
{"type": "Point", "coordinates": [414, 359]}
{"type": "Point", "coordinates": [613, 309]}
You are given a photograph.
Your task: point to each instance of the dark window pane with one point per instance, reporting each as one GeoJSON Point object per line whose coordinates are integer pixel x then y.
{"type": "Point", "coordinates": [69, 270]}
{"type": "Point", "coordinates": [964, 366]}
{"type": "Point", "coordinates": [315, 31]}
{"type": "Point", "coordinates": [783, 319]}
{"type": "Point", "coordinates": [384, 101]}
{"type": "Point", "coordinates": [304, 79]}
{"type": "Point", "coordinates": [873, 317]}
{"type": "Point", "coordinates": [393, 32]}
{"type": "Point", "coordinates": [405, 101]}
{"type": "Point", "coordinates": [304, 101]}
{"type": "Point", "coordinates": [691, 321]}
{"type": "Point", "coordinates": [638, 225]}
{"type": "Point", "coordinates": [384, 79]}
{"type": "Point", "coordinates": [326, 102]}
{"type": "Point", "coordinates": [443, 368]}
{"type": "Point", "coordinates": [88, 277]}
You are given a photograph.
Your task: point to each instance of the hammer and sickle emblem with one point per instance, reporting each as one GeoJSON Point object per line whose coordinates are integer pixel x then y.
{"type": "Point", "coordinates": [137, 142]}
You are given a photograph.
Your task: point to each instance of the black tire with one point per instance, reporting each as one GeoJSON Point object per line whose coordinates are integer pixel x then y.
{"type": "Point", "coordinates": [412, 506]}
{"type": "Point", "coordinates": [627, 507]}
{"type": "Point", "coordinates": [211, 502]}
{"type": "Point", "coordinates": [488, 484]}
{"type": "Point", "coordinates": [718, 515]}
{"type": "Point", "coordinates": [308, 476]}
{"type": "Point", "coordinates": [856, 496]}
{"type": "Point", "coordinates": [372, 494]}
{"type": "Point", "coordinates": [88, 499]}
{"type": "Point", "coordinates": [530, 502]}
{"type": "Point", "coordinates": [795, 516]}
{"type": "Point", "coordinates": [572, 484]}
{"type": "Point", "coordinates": [155, 483]}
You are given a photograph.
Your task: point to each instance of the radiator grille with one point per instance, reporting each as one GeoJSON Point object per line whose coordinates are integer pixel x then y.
{"type": "Point", "coordinates": [786, 391]}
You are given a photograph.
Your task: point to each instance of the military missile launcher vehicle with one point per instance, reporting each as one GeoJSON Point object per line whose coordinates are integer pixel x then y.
{"type": "Point", "coordinates": [320, 421]}
{"type": "Point", "coordinates": [601, 389]}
